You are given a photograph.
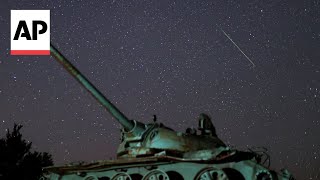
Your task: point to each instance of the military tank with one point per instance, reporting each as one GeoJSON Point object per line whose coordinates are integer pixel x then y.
{"type": "Point", "coordinates": [156, 152]}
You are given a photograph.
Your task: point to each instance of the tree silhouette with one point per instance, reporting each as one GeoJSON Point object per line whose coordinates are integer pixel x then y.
{"type": "Point", "coordinates": [16, 159]}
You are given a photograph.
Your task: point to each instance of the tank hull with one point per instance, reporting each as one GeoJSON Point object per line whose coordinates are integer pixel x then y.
{"type": "Point", "coordinates": [165, 168]}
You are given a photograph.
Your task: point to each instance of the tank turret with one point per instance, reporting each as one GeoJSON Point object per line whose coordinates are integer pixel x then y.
{"type": "Point", "coordinates": [155, 152]}
{"type": "Point", "coordinates": [140, 139]}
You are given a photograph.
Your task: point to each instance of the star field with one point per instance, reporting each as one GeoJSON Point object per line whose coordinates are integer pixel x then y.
{"type": "Point", "coordinates": [170, 58]}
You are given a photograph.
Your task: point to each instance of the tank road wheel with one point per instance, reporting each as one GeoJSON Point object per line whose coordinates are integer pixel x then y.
{"type": "Point", "coordinates": [264, 175]}
{"type": "Point", "coordinates": [121, 176]}
{"type": "Point", "coordinates": [211, 174]}
{"type": "Point", "coordinates": [91, 178]}
{"type": "Point", "coordinates": [156, 175]}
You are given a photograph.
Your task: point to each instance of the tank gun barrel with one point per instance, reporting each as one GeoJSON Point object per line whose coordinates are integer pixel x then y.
{"type": "Point", "coordinates": [122, 119]}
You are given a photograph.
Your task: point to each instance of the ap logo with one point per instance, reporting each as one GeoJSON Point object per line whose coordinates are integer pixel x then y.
{"type": "Point", "coordinates": [30, 32]}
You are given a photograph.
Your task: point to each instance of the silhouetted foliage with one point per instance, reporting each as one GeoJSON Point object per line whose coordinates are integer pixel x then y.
{"type": "Point", "coordinates": [16, 159]}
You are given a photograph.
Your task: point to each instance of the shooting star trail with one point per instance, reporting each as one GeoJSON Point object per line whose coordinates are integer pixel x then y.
{"type": "Point", "coordinates": [238, 48]}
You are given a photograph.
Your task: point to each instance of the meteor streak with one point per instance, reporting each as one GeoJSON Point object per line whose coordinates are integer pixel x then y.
{"type": "Point", "coordinates": [238, 47]}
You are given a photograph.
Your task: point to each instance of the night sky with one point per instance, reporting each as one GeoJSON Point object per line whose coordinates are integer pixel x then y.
{"type": "Point", "coordinates": [172, 59]}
